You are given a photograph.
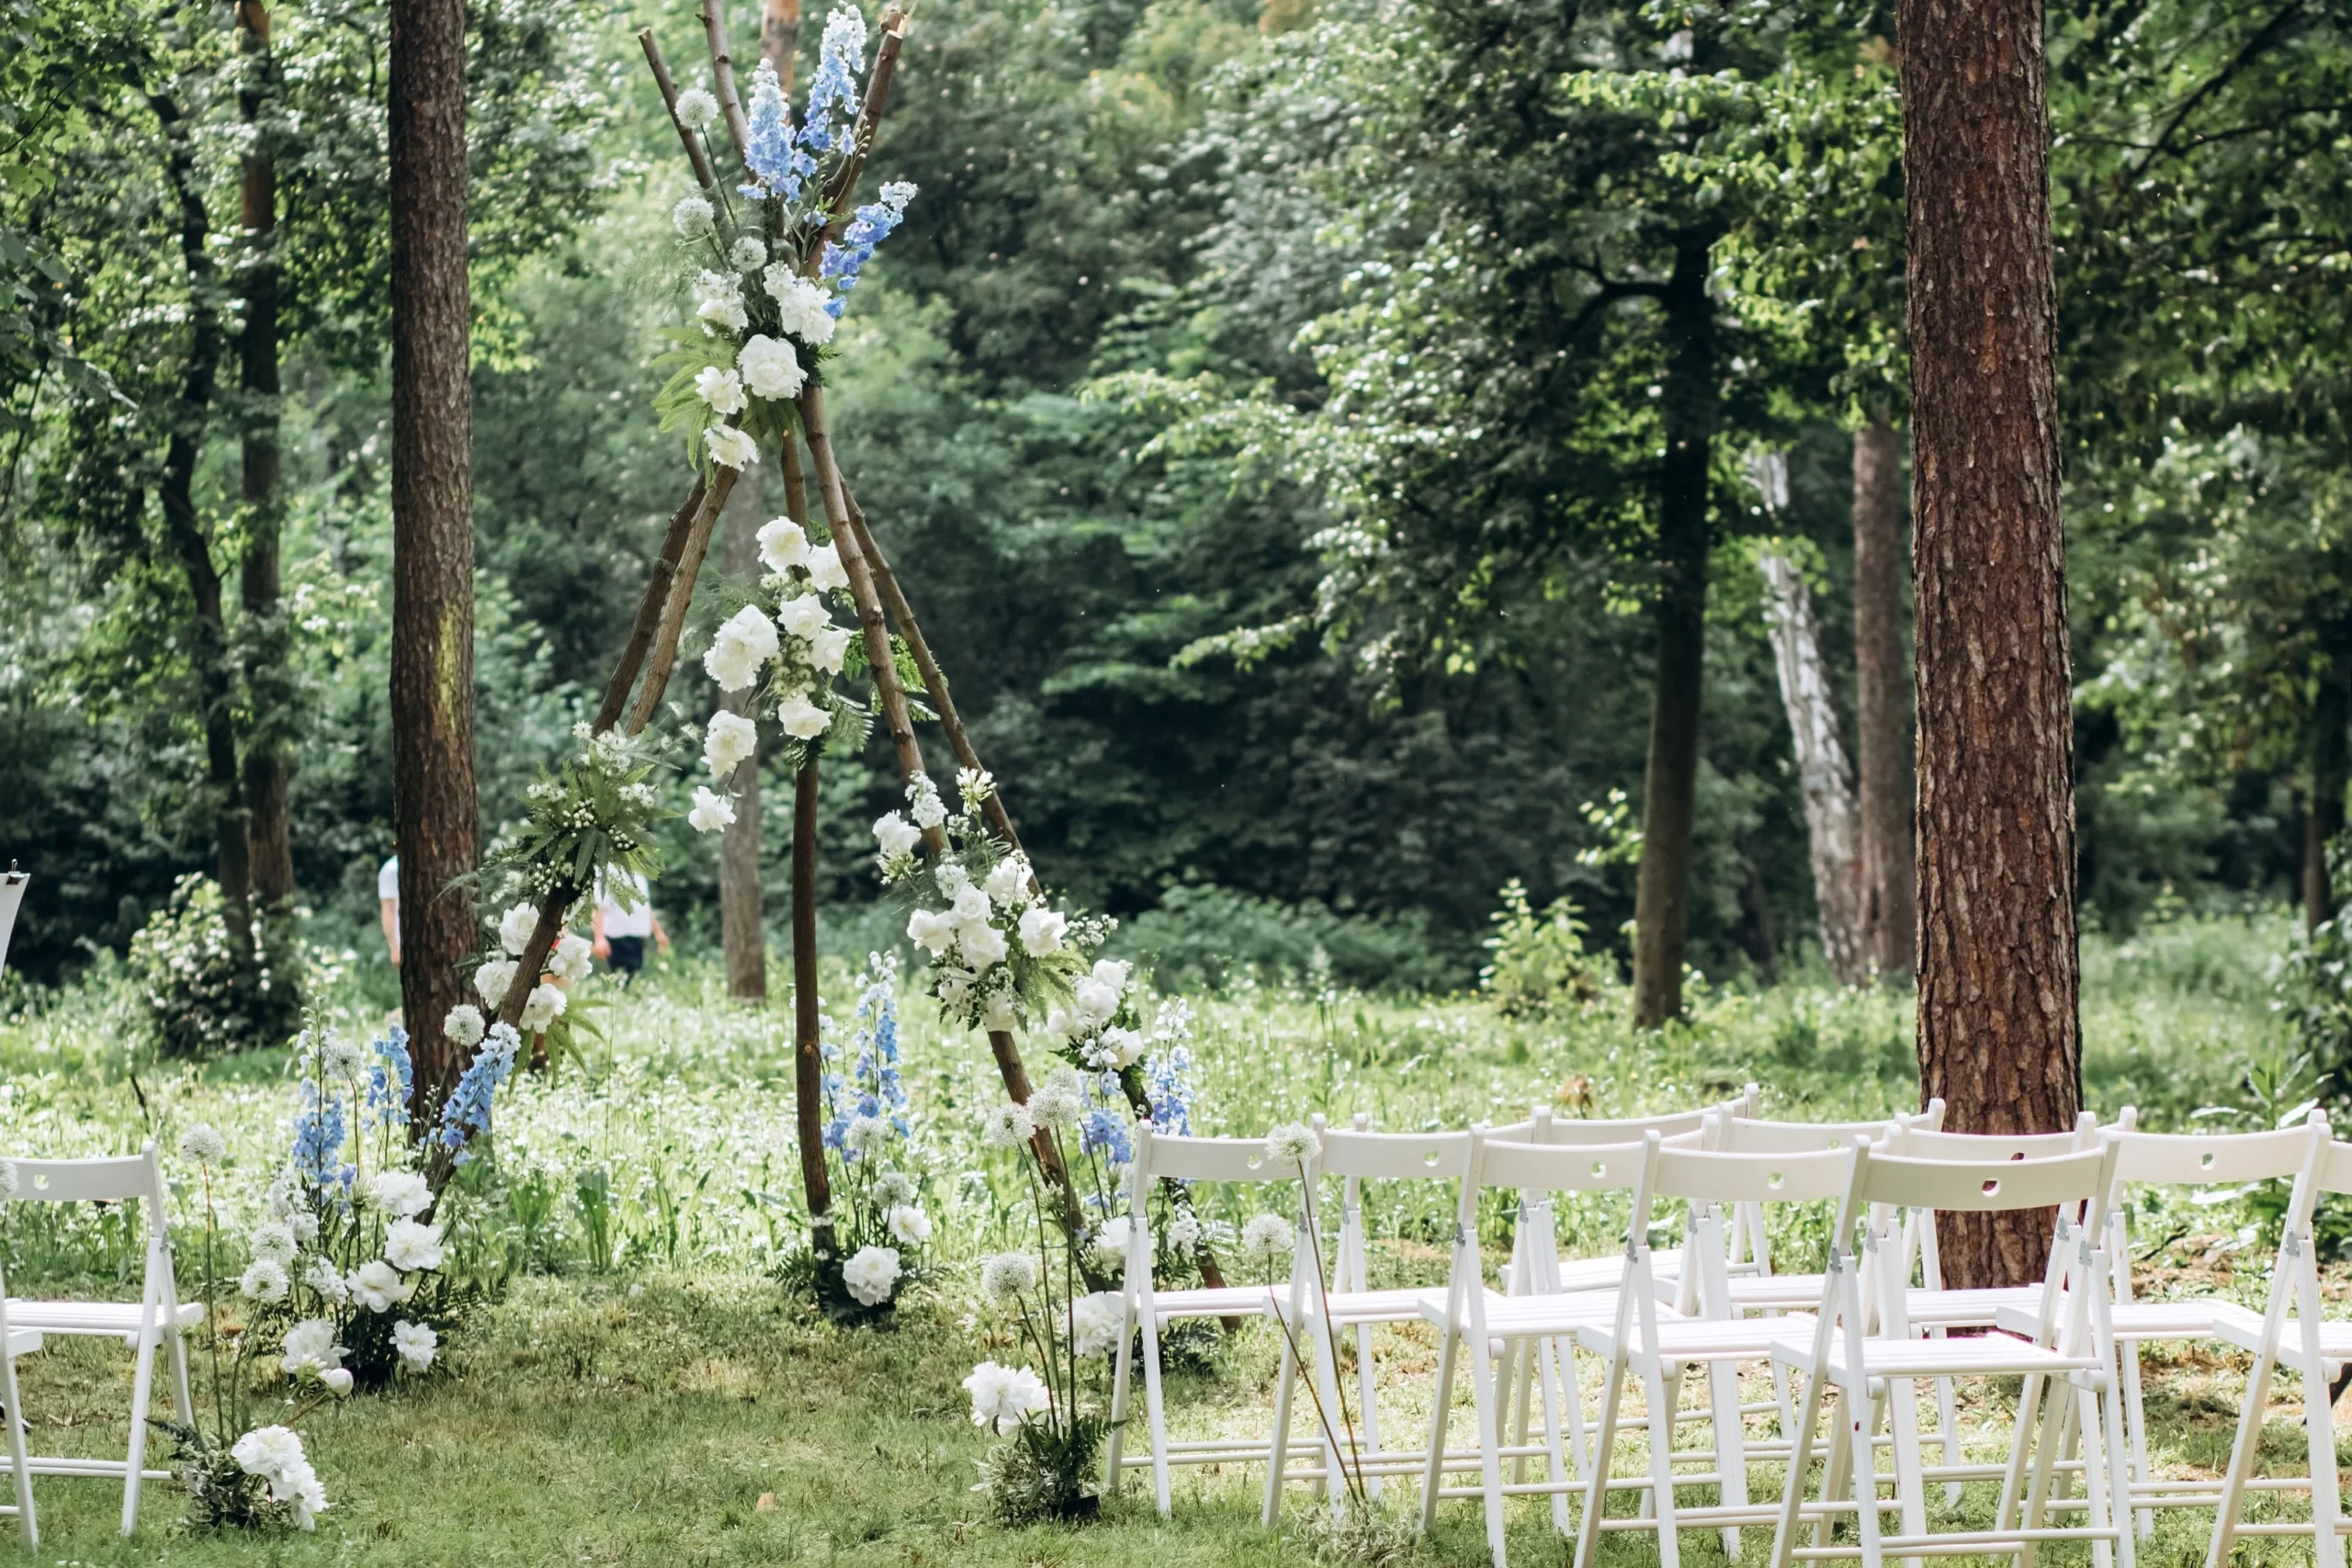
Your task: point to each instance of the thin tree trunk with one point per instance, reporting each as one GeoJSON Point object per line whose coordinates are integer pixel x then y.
{"type": "Point", "coordinates": [1881, 716]}
{"type": "Point", "coordinates": [1670, 789]}
{"type": "Point", "coordinates": [808, 1039]}
{"type": "Point", "coordinates": [1999, 1025]}
{"type": "Point", "coordinates": [268, 753]}
{"type": "Point", "coordinates": [741, 919]}
{"type": "Point", "coordinates": [780, 39]}
{"type": "Point", "coordinates": [2331, 773]}
{"type": "Point", "coordinates": [1831, 830]}
{"type": "Point", "coordinates": [435, 815]}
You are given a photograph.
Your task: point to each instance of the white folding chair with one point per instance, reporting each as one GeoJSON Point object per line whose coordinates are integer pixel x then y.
{"type": "Point", "coordinates": [1159, 1156]}
{"type": "Point", "coordinates": [2070, 1356]}
{"type": "Point", "coordinates": [17, 1342]}
{"type": "Point", "coordinates": [157, 1320]}
{"type": "Point", "coordinates": [2292, 1334]}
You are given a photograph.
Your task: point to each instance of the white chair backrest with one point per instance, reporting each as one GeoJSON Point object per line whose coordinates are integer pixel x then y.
{"type": "Point", "coordinates": [1702, 1175]}
{"type": "Point", "coordinates": [1740, 1137]}
{"type": "Point", "coordinates": [1580, 1133]}
{"type": "Point", "coordinates": [1206, 1159]}
{"type": "Point", "coordinates": [1395, 1156]}
{"type": "Point", "coordinates": [1918, 1143]}
{"type": "Point", "coordinates": [1988, 1187]}
{"type": "Point", "coordinates": [2198, 1159]}
{"type": "Point", "coordinates": [122, 1178]}
{"type": "Point", "coordinates": [1547, 1167]}
{"type": "Point", "coordinates": [2335, 1169]}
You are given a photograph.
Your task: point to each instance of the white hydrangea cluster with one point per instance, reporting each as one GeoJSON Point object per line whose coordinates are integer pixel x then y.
{"type": "Point", "coordinates": [789, 640]}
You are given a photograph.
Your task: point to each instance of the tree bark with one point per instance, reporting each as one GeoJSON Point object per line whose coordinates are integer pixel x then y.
{"type": "Point", "coordinates": [2331, 773]}
{"type": "Point", "coordinates": [780, 39]}
{"type": "Point", "coordinates": [1831, 831]}
{"type": "Point", "coordinates": [1890, 899]}
{"type": "Point", "coordinates": [1670, 789]}
{"type": "Point", "coordinates": [268, 752]}
{"type": "Point", "coordinates": [1999, 1034]}
{"type": "Point", "coordinates": [435, 814]}
{"type": "Point", "coordinates": [808, 1038]}
{"type": "Point", "coordinates": [741, 918]}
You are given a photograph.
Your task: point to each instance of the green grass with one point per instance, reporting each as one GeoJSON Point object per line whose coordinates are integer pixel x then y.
{"type": "Point", "coordinates": [639, 1413]}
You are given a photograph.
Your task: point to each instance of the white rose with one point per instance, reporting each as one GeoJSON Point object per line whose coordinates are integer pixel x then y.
{"type": "Point", "coordinates": [729, 742]}
{"type": "Point", "coordinates": [935, 933]}
{"type": "Point", "coordinates": [1097, 1002]}
{"type": "Point", "coordinates": [745, 641]}
{"type": "Point", "coordinates": [569, 962]}
{"type": "Point", "coordinates": [491, 980]}
{"type": "Point", "coordinates": [769, 368]}
{"type": "Point", "coordinates": [983, 945]}
{"type": "Point", "coordinates": [1041, 929]}
{"type": "Point", "coordinates": [1007, 882]}
{"type": "Point", "coordinates": [729, 447]}
{"type": "Point", "coordinates": [543, 1006]}
{"type": "Point", "coordinates": [711, 812]}
{"type": "Point", "coordinates": [408, 1247]}
{"type": "Point", "coordinates": [377, 1286]}
{"type": "Point", "coordinates": [722, 389]}
{"type": "Point", "coordinates": [897, 836]}
{"type": "Point", "coordinates": [783, 544]}
{"type": "Point", "coordinates": [517, 926]}
{"type": "Point", "coordinates": [804, 616]}
{"type": "Point", "coordinates": [972, 904]}
{"type": "Point", "coordinates": [1125, 1045]}
{"type": "Point", "coordinates": [802, 718]}
{"type": "Point", "coordinates": [828, 648]}
{"type": "Point", "coordinates": [800, 304]}
{"type": "Point", "coordinates": [825, 570]}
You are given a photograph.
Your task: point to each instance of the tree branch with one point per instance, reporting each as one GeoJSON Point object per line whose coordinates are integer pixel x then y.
{"type": "Point", "coordinates": [696, 153]}
{"type": "Point", "coordinates": [723, 80]}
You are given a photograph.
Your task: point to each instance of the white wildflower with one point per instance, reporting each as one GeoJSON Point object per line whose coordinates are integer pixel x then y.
{"type": "Point", "coordinates": [1184, 1231]}
{"type": "Point", "coordinates": [1057, 1107]}
{"type": "Point", "coordinates": [1006, 1277]}
{"type": "Point", "coordinates": [749, 254]}
{"type": "Point", "coordinates": [711, 812]}
{"type": "Point", "coordinates": [321, 1276]}
{"type": "Point", "coordinates": [1269, 1238]}
{"type": "Point", "coordinates": [272, 1239]}
{"type": "Point", "coordinates": [264, 1281]}
{"type": "Point", "coordinates": [1293, 1143]}
{"type": "Point", "coordinates": [1125, 1047]}
{"type": "Point", "coordinates": [894, 1188]}
{"type": "Point", "coordinates": [342, 1060]}
{"type": "Point", "coordinates": [728, 743]}
{"type": "Point", "coordinates": [697, 110]}
{"type": "Point", "coordinates": [203, 1145]}
{"type": "Point", "coordinates": [866, 1135]}
{"type": "Point", "coordinates": [692, 216]}
{"type": "Point", "coordinates": [745, 641]}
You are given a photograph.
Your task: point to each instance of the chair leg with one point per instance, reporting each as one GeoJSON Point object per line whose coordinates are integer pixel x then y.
{"type": "Point", "coordinates": [1861, 1422]}
{"type": "Point", "coordinates": [2118, 1473]}
{"type": "Point", "coordinates": [1840, 1468]}
{"type": "Point", "coordinates": [2049, 1432]}
{"type": "Point", "coordinates": [1800, 1433]}
{"type": "Point", "coordinates": [142, 1381]}
{"type": "Point", "coordinates": [1335, 1459]}
{"type": "Point", "coordinates": [1544, 1356]}
{"type": "Point", "coordinates": [1604, 1462]}
{"type": "Point", "coordinates": [2135, 1417]}
{"type": "Point", "coordinates": [1910, 1486]}
{"type": "Point", "coordinates": [1114, 1472]}
{"type": "Point", "coordinates": [1490, 1465]}
{"type": "Point", "coordinates": [2219, 1549]}
{"type": "Point", "coordinates": [1441, 1414]}
{"type": "Point", "coordinates": [2013, 1478]}
{"type": "Point", "coordinates": [1731, 1447]}
{"type": "Point", "coordinates": [1155, 1415]}
{"type": "Point", "coordinates": [1278, 1443]}
{"type": "Point", "coordinates": [1948, 1431]}
{"type": "Point", "coordinates": [1367, 1398]}
{"type": "Point", "coordinates": [19, 1463]}
{"type": "Point", "coordinates": [2327, 1509]}
{"type": "Point", "coordinates": [1662, 1391]}
{"type": "Point", "coordinates": [2096, 1477]}
{"type": "Point", "coordinates": [1521, 1358]}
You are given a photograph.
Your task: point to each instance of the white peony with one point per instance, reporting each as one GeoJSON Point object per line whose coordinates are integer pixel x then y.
{"type": "Point", "coordinates": [337, 1381]}
{"type": "Point", "coordinates": [1094, 1323]}
{"type": "Point", "coordinates": [932, 931]}
{"type": "Point", "coordinates": [803, 616]}
{"type": "Point", "coordinates": [769, 368]}
{"type": "Point", "coordinates": [897, 836]}
{"type": "Point", "coordinates": [828, 648]}
{"type": "Point", "coordinates": [729, 447]}
{"type": "Point", "coordinates": [1111, 1241]}
{"type": "Point", "coordinates": [303, 1493]}
{"type": "Point", "coordinates": [722, 389]}
{"type": "Point", "coordinates": [800, 304]}
{"type": "Point", "coordinates": [983, 945]}
{"type": "Point", "coordinates": [783, 543]}
{"type": "Point", "coordinates": [264, 1281]}
{"type": "Point", "coordinates": [402, 1194]}
{"type": "Point", "coordinates": [711, 812]}
{"type": "Point", "coordinates": [745, 641]}
{"type": "Point", "coordinates": [543, 1006]}
{"type": "Point", "coordinates": [410, 1246]}
{"type": "Point", "coordinates": [377, 1286]}
{"type": "Point", "coordinates": [825, 570]}
{"type": "Point", "coordinates": [972, 904]}
{"type": "Point", "coordinates": [1009, 882]}
{"type": "Point", "coordinates": [1042, 930]}
{"type": "Point", "coordinates": [464, 1025]}
{"type": "Point", "coordinates": [1126, 1046]}
{"type": "Point", "coordinates": [729, 742]}
{"type": "Point", "coordinates": [269, 1452]}
{"type": "Point", "coordinates": [1002, 1396]}
{"type": "Point", "coordinates": [872, 1274]}
{"type": "Point", "coordinates": [517, 926]}
{"type": "Point", "coordinates": [719, 302]}
{"type": "Point", "coordinates": [908, 1224]}
{"type": "Point", "coordinates": [491, 979]}
{"type": "Point", "coordinates": [311, 1347]}
{"type": "Point", "coordinates": [802, 718]}
{"type": "Point", "coordinates": [415, 1342]}
{"type": "Point", "coordinates": [570, 961]}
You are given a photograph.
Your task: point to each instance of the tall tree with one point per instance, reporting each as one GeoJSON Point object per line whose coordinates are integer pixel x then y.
{"type": "Point", "coordinates": [433, 810]}
{"type": "Point", "coordinates": [1882, 712]}
{"type": "Point", "coordinates": [1999, 1036]}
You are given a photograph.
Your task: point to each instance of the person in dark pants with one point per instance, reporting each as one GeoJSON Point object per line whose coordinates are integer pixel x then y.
{"type": "Point", "coordinates": [621, 933]}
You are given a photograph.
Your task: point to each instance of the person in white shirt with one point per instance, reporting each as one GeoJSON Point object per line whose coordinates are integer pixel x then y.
{"type": "Point", "coordinates": [620, 933]}
{"type": "Point", "coordinates": [387, 905]}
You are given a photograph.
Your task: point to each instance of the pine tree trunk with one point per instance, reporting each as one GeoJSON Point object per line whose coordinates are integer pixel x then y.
{"type": "Point", "coordinates": [1832, 832]}
{"type": "Point", "coordinates": [1999, 1026]}
{"type": "Point", "coordinates": [1669, 790]}
{"type": "Point", "coordinates": [780, 43]}
{"type": "Point", "coordinates": [1890, 903]}
{"type": "Point", "coordinates": [267, 762]}
{"type": "Point", "coordinates": [741, 918]}
{"type": "Point", "coordinates": [435, 815]}
{"type": "Point", "coordinates": [2331, 773]}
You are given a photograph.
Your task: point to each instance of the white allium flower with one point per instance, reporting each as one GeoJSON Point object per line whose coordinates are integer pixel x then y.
{"type": "Point", "coordinates": [1002, 1396]}
{"type": "Point", "coordinates": [983, 945]}
{"type": "Point", "coordinates": [1184, 1231]}
{"type": "Point", "coordinates": [415, 1342]}
{"type": "Point", "coordinates": [570, 961]}
{"type": "Point", "coordinates": [932, 931]}
{"type": "Point", "coordinates": [802, 718]}
{"type": "Point", "coordinates": [972, 904]}
{"type": "Point", "coordinates": [1007, 1127]}
{"type": "Point", "coordinates": [722, 389]}
{"type": "Point", "coordinates": [1126, 1046]}
{"type": "Point", "coordinates": [491, 979]}
{"type": "Point", "coordinates": [1269, 1237]}
{"type": "Point", "coordinates": [894, 1188]}
{"type": "Point", "coordinates": [464, 1025]}
{"type": "Point", "coordinates": [784, 544]}
{"type": "Point", "coordinates": [377, 1286]}
{"type": "Point", "coordinates": [828, 648]}
{"type": "Point", "coordinates": [1008, 881]}
{"type": "Point", "coordinates": [342, 1060]}
{"type": "Point", "coordinates": [896, 835]}
{"type": "Point", "coordinates": [800, 304]}
{"type": "Point", "coordinates": [803, 616]}
{"type": "Point", "coordinates": [311, 1347]}
{"type": "Point", "coordinates": [543, 1006]}
{"type": "Point", "coordinates": [321, 1276]}
{"type": "Point", "coordinates": [1057, 1107]}
{"type": "Point", "coordinates": [1006, 1277]}
{"type": "Point", "coordinates": [872, 1274]}
{"type": "Point", "coordinates": [745, 641]}
{"type": "Point", "coordinates": [866, 1135]}
{"type": "Point", "coordinates": [410, 1246]}
{"type": "Point", "coordinates": [730, 448]}
{"type": "Point", "coordinates": [264, 1281]}
{"type": "Point", "coordinates": [728, 743]}
{"type": "Point", "coordinates": [1042, 930]}
{"type": "Point", "coordinates": [272, 1239]}
{"type": "Point", "coordinates": [748, 253]}
{"type": "Point", "coordinates": [909, 1226]}
{"type": "Point", "coordinates": [769, 368]}
{"type": "Point", "coordinates": [692, 216]}
{"type": "Point", "coordinates": [719, 303]}
{"type": "Point", "coordinates": [402, 1194]}
{"type": "Point", "coordinates": [517, 926]}
{"type": "Point", "coordinates": [1094, 1323]}
{"type": "Point", "coordinates": [200, 1145]}
{"type": "Point", "coordinates": [825, 570]}
{"type": "Point", "coordinates": [711, 812]}
{"type": "Point", "coordinates": [1293, 1143]}
{"type": "Point", "coordinates": [304, 1224]}
{"type": "Point", "coordinates": [337, 1381]}
{"type": "Point", "coordinates": [697, 110]}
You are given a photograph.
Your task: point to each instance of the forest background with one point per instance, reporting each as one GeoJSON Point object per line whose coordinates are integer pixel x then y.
{"type": "Point", "coordinates": [1248, 406]}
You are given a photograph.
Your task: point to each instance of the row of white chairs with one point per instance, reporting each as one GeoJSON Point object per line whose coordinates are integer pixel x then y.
{"type": "Point", "coordinates": [1875, 1330]}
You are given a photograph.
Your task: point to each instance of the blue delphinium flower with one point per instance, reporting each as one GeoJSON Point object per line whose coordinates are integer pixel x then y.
{"type": "Point", "coordinates": [317, 1136]}
{"type": "Point", "coordinates": [776, 166]}
{"type": "Point", "coordinates": [869, 226]}
{"type": "Point", "coordinates": [391, 1079]}
{"type": "Point", "coordinates": [839, 60]}
{"type": "Point", "coordinates": [466, 1115]}
{"type": "Point", "coordinates": [1170, 1096]}
{"type": "Point", "coordinates": [872, 1087]}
